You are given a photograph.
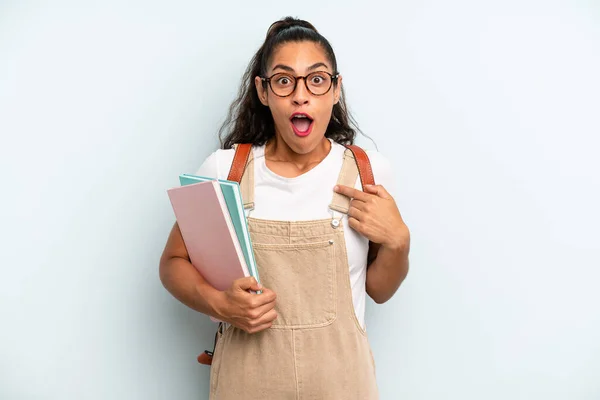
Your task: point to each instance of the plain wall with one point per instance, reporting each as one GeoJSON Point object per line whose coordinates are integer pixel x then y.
{"type": "Point", "coordinates": [489, 111]}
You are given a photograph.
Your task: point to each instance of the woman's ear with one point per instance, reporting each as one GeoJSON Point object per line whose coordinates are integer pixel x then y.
{"type": "Point", "coordinates": [261, 90]}
{"type": "Point", "coordinates": [338, 90]}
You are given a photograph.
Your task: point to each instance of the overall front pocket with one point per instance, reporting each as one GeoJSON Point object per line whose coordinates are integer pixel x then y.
{"type": "Point", "coordinates": [303, 276]}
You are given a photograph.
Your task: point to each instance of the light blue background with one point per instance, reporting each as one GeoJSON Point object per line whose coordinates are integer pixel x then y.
{"type": "Point", "coordinates": [488, 110]}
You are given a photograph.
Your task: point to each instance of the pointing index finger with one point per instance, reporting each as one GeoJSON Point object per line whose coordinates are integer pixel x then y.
{"type": "Point", "coordinates": [350, 192]}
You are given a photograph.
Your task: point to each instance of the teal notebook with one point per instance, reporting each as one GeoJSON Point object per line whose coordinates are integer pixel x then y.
{"type": "Point", "coordinates": [235, 205]}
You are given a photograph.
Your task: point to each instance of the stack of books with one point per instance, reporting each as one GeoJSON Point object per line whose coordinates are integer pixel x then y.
{"type": "Point", "coordinates": [210, 215]}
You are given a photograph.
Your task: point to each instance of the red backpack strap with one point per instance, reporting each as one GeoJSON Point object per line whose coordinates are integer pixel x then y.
{"type": "Point", "coordinates": [242, 152]}
{"type": "Point", "coordinates": [364, 165]}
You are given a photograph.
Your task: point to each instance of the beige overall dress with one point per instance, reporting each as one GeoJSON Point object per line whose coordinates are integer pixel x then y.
{"type": "Point", "coordinates": [316, 348]}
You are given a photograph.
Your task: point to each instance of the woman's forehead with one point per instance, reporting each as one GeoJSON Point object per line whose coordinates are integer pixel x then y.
{"type": "Point", "coordinates": [299, 56]}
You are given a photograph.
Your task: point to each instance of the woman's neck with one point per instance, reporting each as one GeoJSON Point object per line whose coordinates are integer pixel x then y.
{"type": "Point", "coordinates": [284, 161]}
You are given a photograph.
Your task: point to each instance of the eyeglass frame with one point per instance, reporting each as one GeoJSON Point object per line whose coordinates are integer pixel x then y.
{"type": "Point", "coordinates": [297, 78]}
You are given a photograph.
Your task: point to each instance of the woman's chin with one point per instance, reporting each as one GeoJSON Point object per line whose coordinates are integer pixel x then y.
{"type": "Point", "coordinates": [307, 144]}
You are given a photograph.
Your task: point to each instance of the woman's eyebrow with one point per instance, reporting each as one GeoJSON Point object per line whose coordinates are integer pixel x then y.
{"type": "Point", "coordinates": [283, 67]}
{"type": "Point", "coordinates": [317, 65]}
{"type": "Point", "coordinates": [290, 69]}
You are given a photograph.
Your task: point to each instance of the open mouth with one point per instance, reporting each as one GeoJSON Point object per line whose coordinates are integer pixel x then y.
{"type": "Point", "coordinates": [302, 124]}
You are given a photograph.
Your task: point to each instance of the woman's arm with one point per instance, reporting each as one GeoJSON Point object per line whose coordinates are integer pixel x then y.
{"type": "Point", "coordinates": [247, 311]}
{"type": "Point", "coordinates": [374, 214]}
{"type": "Point", "coordinates": [182, 280]}
{"type": "Point", "coordinates": [387, 269]}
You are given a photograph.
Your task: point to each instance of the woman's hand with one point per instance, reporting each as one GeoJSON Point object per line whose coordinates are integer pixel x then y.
{"type": "Point", "coordinates": [374, 214]}
{"type": "Point", "coordinates": [247, 311]}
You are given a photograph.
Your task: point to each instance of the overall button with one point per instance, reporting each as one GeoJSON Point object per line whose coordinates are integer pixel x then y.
{"type": "Point", "coordinates": [335, 223]}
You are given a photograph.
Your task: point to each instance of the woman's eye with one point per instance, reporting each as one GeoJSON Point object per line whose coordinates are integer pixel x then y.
{"type": "Point", "coordinates": [284, 81]}
{"type": "Point", "coordinates": [317, 80]}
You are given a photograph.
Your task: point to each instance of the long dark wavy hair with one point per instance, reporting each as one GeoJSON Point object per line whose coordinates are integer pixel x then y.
{"type": "Point", "coordinates": [249, 121]}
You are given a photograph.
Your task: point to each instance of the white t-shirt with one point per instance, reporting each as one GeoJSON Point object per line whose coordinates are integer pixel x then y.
{"type": "Point", "coordinates": [307, 197]}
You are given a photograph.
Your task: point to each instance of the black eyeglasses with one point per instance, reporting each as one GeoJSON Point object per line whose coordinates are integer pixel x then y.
{"type": "Point", "coordinates": [317, 83]}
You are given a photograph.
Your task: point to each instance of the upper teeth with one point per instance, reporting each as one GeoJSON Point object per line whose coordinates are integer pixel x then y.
{"type": "Point", "coordinates": [300, 116]}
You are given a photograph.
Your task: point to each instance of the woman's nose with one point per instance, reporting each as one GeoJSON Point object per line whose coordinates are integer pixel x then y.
{"type": "Point", "coordinates": [301, 94]}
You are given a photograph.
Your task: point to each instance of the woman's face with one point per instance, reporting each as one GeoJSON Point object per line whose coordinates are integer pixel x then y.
{"type": "Point", "coordinates": [301, 118]}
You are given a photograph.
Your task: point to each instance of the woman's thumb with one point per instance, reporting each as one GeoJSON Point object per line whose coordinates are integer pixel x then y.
{"type": "Point", "coordinates": [248, 283]}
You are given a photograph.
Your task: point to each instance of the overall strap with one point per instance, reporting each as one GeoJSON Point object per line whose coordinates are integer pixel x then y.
{"type": "Point", "coordinates": [242, 172]}
{"type": "Point", "coordinates": [356, 163]}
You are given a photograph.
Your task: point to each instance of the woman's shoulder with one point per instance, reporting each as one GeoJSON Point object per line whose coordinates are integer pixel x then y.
{"type": "Point", "coordinates": [380, 164]}
{"type": "Point", "coordinates": [382, 169]}
{"type": "Point", "coordinates": [218, 163]}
